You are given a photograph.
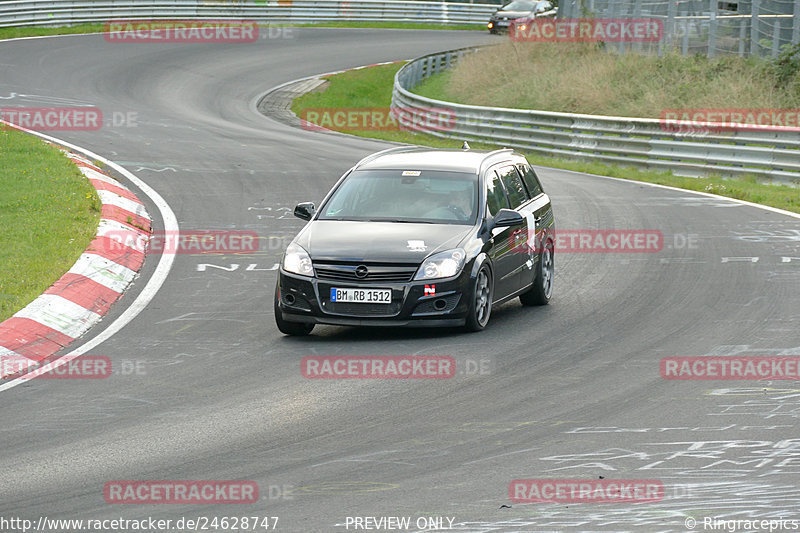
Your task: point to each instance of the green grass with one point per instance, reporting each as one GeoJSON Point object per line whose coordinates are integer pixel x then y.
{"type": "Point", "coordinates": [364, 88]}
{"type": "Point", "coordinates": [19, 31]}
{"type": "Point", "coordinates": [372, 87]}
{"type": "Point", "coordinates": [14, 32]}
{"type": "Point", "coordinates": [583, 78]}
{"type": "Point", "coordinates": [48, 215]}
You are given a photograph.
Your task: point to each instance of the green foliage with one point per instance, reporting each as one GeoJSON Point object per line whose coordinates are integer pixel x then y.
{"type": "Point", "coordinates": [582, 78]}
{"type": "Point", "coordinates": [786, 67]}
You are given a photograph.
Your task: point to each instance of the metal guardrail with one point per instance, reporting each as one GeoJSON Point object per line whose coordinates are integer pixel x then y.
{"type": "Point", "coordinates": [64, 12]}
{"type": "Point", "coordinates": [638, 142]}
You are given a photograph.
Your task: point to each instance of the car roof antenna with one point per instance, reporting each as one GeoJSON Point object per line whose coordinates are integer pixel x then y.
{"type": "Point", "coordinates": [465, 146]}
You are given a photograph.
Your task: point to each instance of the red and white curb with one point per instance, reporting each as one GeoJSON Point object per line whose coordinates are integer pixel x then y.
{"type": "Point", "coordinates": [82, 296]}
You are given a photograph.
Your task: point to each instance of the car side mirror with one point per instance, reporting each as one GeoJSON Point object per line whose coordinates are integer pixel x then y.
{"type": "Point", "coordinates": [506, 218]}
{"type": "Point", "coordinates": [305, 210]}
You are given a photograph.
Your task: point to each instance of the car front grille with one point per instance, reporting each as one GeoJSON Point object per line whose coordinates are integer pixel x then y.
{"type": "Point", "coordinates": [398, 273]}
{"type": "Point", "coordinates": [359, 309]}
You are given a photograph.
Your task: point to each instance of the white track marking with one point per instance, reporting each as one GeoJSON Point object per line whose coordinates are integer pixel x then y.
{"type": "Point", "coordinates": [95, 175]}
{"type": "Point", "coordinates": [64, 316]}
{"type": "Point", "coordinates": [103, 271]}
{"type": "Point", "coordinates": [133, 239]}
{"type": "Point", "coordinates": [108, 197]}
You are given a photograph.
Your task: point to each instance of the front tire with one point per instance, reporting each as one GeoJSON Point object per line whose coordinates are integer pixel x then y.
{"type": "Point", "coordinates": [295, 329]}
{"type": "Point", "coordinates": [480, 308]}
{"type": "Point", "coordinates": [542, 288]}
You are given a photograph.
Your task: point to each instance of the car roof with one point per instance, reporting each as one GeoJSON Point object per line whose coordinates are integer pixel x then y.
{"type": "Point", "coordinates": [416, 158]}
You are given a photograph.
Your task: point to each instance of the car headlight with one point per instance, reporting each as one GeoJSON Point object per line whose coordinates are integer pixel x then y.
{"type": "Point", "coordinates": [297, 261]}
{"type": "Point", "coordinates": [442, 265]}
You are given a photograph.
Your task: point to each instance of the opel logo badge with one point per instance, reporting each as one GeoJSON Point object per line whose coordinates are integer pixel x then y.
{"type": "Point", "coordinates": [361, 271]}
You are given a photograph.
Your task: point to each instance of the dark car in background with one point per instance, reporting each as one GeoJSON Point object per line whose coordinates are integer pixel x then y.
{"type": "Point", "coordinates": [419, 237]}
{"type": "Point", "coordinates": [501, 19]}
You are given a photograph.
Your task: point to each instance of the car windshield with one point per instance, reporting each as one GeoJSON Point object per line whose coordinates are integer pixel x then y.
{"type": "Point", "coordinates": [519, 5]}
{"type": "Point", "coordinates": [423, 196]}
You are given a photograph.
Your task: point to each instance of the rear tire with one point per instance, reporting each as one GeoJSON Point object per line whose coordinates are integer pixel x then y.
{"type": "Point", "coordinates": [480, 308]}
{"type": "Point", "coordinates": [542, 289]}
{"type": "Point", "coordinates": [296, 329]}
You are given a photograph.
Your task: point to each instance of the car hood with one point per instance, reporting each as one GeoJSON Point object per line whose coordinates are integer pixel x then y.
{"type": "Point", "coordinates": [390, 242]}
{"type": "Point", "coordinates": [512, 14]}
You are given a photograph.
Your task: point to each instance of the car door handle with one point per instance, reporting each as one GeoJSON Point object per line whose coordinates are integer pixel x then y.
{"type": "Point", "coordinates": [537, 219]}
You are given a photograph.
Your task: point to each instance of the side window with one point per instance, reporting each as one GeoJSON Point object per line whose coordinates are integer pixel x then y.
{"type": "Point", "coordinates": [516, 190]}
{"type": "Point", "coordinates": [530, 179]}
{"type": "Point", "coordinates": [495, 195]}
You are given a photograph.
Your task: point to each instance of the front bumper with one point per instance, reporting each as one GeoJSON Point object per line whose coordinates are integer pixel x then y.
{"type": "Point", "coordinates": [307, 300]}
{"type": "Point", "coordinates": [500, 25]}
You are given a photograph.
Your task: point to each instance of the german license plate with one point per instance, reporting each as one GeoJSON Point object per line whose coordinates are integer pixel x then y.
{"type": "Point", "coordinates": [362, 296]}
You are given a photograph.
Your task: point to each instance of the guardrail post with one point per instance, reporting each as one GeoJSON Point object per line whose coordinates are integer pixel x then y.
{"type": "Point", "coordinates": [776, 37]}
{"type": "Point", "coordinates": [796, 24]}
{"type": "Point", "coordinates": [712, 28]}
{"type": "Point", "coordinates": [742, 36]}
{"type": "Point", "coordinates": [669, 29]}
{"type": "Point", "coordinates": [563, 9]}
{"type": "Point", "coordinates": [685, 42]}
{"type": "Point", "coordinates": [754, 24]}
{"type": "Point", "coordinates": [637, 14]}
{"type": "Point", "coordinates": [615, 6]}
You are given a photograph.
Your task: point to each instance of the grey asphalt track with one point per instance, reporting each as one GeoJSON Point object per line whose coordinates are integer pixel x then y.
{"type": "Point", "coordinates": [571, 390]}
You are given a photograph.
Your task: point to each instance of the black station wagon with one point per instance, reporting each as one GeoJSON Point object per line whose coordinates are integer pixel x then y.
{"type": "Point", "coordinates": [419, 237]}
